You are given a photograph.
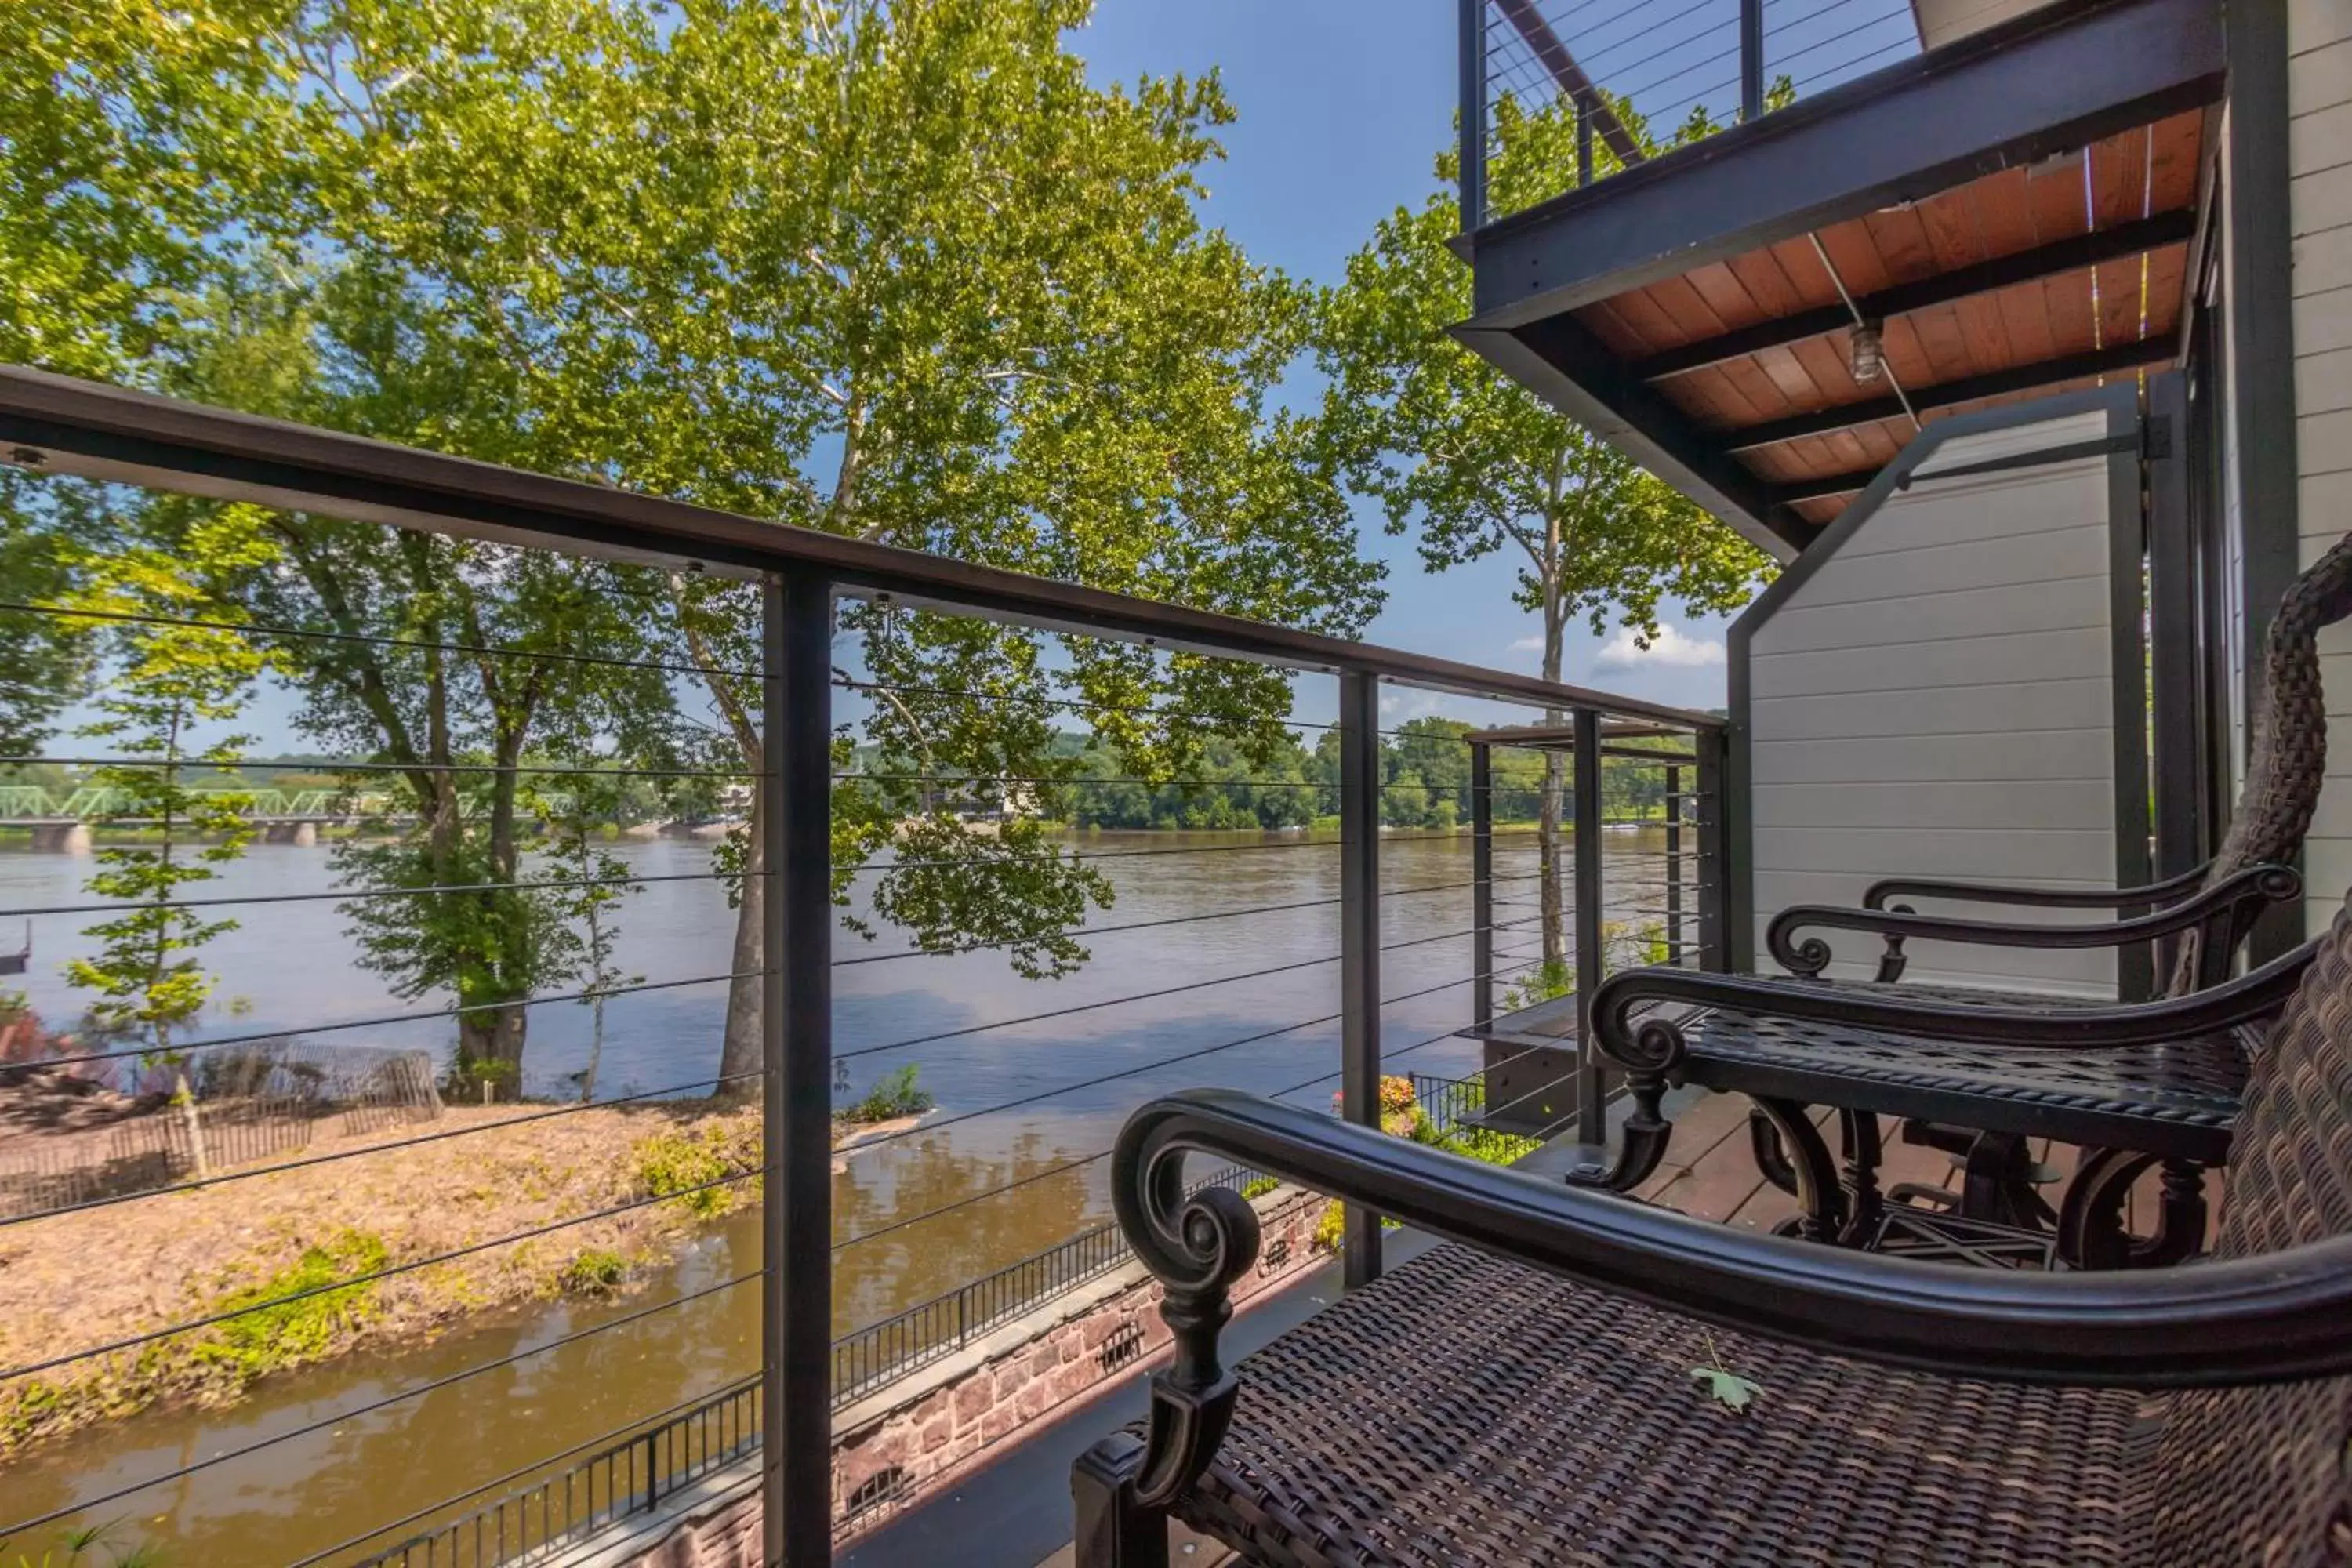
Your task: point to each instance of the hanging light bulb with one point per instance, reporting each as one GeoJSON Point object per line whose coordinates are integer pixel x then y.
{"type": "Point", "coordinates": [1866, 350]}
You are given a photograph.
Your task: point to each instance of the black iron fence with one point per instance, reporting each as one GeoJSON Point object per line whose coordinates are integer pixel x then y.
{"type": "Point", "coordinates": [881, 1353]}
{"type": "Point", "coordinates": [623, 1479]}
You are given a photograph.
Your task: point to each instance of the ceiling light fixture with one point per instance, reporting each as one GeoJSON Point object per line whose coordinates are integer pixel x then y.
{"type": "Point", "coordinates": [1866, 350]}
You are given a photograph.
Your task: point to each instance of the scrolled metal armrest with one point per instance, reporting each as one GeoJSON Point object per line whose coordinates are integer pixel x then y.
{"type": "Point", "coordinates": [1811, 956]}
{"type": "Point", "coordinates": [2261, 1319]}
{"type": "Point", "coordinates": [1636, 1044]}
{"type": "Point", "coordinates": [1878, 893]}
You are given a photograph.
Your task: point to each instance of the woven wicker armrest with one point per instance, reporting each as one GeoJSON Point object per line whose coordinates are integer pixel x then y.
{"type": "Point", "coordinates": [2226, 909]}
{"type": "Point", "coordinates": [1650, 1044]}
{"type": "Point", "coordinates": [1879, 893]}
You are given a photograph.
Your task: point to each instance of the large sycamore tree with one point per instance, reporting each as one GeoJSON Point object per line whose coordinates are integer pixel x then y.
{"type": "Point", "coordinates": [900, 272]}
{"type": "Point", "coordinates": [1474, 465]}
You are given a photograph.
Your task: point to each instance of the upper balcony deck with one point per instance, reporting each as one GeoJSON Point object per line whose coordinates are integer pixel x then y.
{"type": "Point", "coordinates": [2017, 210]}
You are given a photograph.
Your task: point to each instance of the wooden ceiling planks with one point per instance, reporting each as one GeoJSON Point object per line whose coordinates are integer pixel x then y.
{"type": "Point", "coordinates": [2144, 171]}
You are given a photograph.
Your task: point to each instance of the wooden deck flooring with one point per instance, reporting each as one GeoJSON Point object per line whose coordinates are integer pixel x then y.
{"type": "Point", "coordinates": [1709, 1172]}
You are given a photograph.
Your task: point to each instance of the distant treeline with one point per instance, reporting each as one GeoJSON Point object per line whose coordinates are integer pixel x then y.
{"type": "Point", "coordinates": [1425, 770]}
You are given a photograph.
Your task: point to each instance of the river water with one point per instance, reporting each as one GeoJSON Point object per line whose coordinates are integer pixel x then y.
{"type": "Point", "coordinates": [290, 967]}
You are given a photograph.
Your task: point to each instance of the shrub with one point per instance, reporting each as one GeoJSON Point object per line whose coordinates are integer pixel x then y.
{"type": "Point", "coordinates": [687, 1164]}
{"type": "Point", "coordinates": [1553, 977]}
{"type": "Point", "coordinates": [1258, 1187]}
{"type": "Point", "coordinates": [594, 1271]}
{"type": "Point", "coordinates": [269, 1337]}
{"type": "Point", "coordinates": [894, 1097]}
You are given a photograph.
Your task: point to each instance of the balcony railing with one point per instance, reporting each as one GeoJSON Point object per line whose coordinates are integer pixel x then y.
{"type": "Point", "coordinates": [1349, 947]}
{"type": "Point", "coordinates": [1556, 94]}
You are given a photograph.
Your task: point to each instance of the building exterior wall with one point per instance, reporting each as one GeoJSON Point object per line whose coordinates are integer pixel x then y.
{"type": "Point", "coordinates": [2319, 149]}
{"type": "Point", "coordinates": [1937, 697]}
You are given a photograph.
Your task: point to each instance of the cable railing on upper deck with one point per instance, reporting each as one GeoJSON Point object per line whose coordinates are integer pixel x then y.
{"type": "Point", "coordinates": [1556, 94]}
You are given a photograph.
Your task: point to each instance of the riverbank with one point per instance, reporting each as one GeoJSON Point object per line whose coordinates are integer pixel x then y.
{"type": "Point", "coordinates": [346, 1236]}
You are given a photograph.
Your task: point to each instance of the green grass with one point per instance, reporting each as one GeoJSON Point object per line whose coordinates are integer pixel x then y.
{"type": "Point", "coordinates": [595, 1271]}
{"type": "Point", "coordinates": [894, 1097]}
{"type": "Point", "coordinates": [684, 1164]}
{"type": "Point", "coordinates": [268, 1339]}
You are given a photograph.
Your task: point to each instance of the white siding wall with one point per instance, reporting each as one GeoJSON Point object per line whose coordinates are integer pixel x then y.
{"type": "Point", "coordinates": [1937, 701]}
{"type": "Point", "coordinates": [2319, 98]}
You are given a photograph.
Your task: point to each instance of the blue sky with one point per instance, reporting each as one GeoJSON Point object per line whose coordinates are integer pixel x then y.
{"type": "Point", "coordinates": [1343, 105]}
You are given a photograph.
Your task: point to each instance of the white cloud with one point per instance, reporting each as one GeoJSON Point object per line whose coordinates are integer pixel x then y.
{"type": "Point", "coordinates": [1529, 644]}
{"type": "Point", "coordinates": [1669, 649]}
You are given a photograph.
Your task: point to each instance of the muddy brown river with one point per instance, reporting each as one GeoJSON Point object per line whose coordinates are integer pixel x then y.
{"type": "Point", "coordinates": [292, 969]}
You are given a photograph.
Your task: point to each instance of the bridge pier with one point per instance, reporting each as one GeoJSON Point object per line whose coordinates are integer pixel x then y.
{"type": "Point", "coordinates": [301, 834]}
{"type": "Point", "coordinates": [61, 837]}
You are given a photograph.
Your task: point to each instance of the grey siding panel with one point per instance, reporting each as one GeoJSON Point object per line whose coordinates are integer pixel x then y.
{"type": "Point", "coordinates": [1952, 661]}
{"type": "Point", "coordinates": [2319, 103]}
{"type": "Point", "coordinates": [2045, 556]}
{"type": "Point", "coordinates": [1939, 759]}
{"type": "Point", "coordinates": [1935, 699]}
{"type": "Point", "coordinates": [1995, 805]}
{"type": "Point", "coordinates": [2080, 704]}
{"type": "Point", "coordinates": [1942, 615]}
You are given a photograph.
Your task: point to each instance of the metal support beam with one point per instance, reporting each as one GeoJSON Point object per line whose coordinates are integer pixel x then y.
{"type": "Point", "coordinates": [1563, 363]}
{"type": "Point", "coordinates": [1673, 865]}
{"type": "Point", "coordinates": [796, 1047]}
{"type": "Point", "coordinates": [2052, 80]}
{"type": "Point", "coordinates": [2176, 743]}
{"type": "Point", "coordinates": [1717, 814]}
{"type": "Point", "coordinates": [2071, 255]}
{"type": "Point", "coordinates": [1471, 179]}
{"type": "Point", "coordinates": [2109, 361]}
{"type": "Point", "coordinates": [1482, 882]}
{"type": "Point", "coordinates": [2262, 399]}
{"type": "Point", "coordinates": [1359, 945]}
{"type": "Point", "coordinates": [1587, 111]}
{"type": "Point", "coordinates": [1751, 58]}
{"type": "Point", "coordinates": [1591, 1079]}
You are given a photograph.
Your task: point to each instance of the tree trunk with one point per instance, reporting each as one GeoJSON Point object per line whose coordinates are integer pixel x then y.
{"type": "Point", "coordinates": [1549, 861]}
{"type": "Point", "coordinates": [494, 1035]}
{"type": "Point", "coordinates": [742, 1055]}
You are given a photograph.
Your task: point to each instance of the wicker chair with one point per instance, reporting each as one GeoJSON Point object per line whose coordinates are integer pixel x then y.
{"type": "Point", "coordinates": [1525, 1392]}
{"type": "Point", "coordinates": [1885, 1049]}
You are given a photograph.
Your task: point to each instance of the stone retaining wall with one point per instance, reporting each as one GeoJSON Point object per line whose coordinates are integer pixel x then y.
{"type": "Point", "coordinates": [898, 1444]}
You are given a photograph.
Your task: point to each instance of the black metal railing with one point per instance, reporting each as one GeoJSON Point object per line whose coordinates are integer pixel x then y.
{"type": "Point", "coordinates": [608, 1488]}
{"type": "Point", "coordinates": [1335, 872]}
{"type": "Point", "coordinates": [1556, 94]}
{"type": "Point", "coordinates": [883, 1352]}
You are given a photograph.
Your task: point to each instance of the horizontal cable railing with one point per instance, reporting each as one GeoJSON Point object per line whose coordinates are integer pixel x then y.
{"type": "Point", "coordinates": [1556, 94]}
{"type": "Point", "coordinates": [524, 1041]}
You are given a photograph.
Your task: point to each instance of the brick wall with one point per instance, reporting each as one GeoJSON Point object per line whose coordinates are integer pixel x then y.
{"type": "Point", "coordinates": [897, 1445]}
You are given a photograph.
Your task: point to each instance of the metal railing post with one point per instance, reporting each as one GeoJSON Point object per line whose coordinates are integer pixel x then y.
{"type": "Point", "coordinates": [1751, 58]}
{"type": "Point", "coordinates": [1359, 945]}
{"type": "Point", "coordinates": [796, 1045]}
{"type": "Point", "coordinates": [1673, 865]}
{"type": "Point", "coordinates": [1716, 888]}
{"type": "Point", "coordinates": [1587, 111]}
{"type": "Point", "coordinates": [1592, 1111]}
{"type": "Point", "coordinates": [1471, 179]}
{"type": "Point", "coordinates": [1482, 883]}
